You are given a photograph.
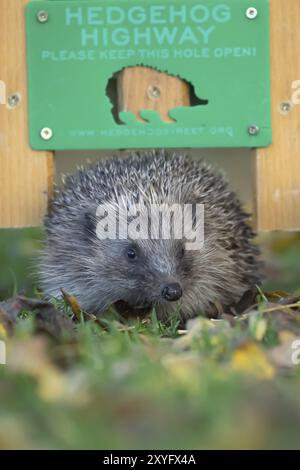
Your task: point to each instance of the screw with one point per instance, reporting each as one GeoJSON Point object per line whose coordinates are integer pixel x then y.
{"type": "Point", "coordinates": [42, 16]}
{"type": "Point", "coordinates": [13, 100]}
{"type": "Point", "coordinates": [251, 13]}
{"type": "Point", "coordinates": [154, 92]}
{"type": "Point", "coordinates": [285, 107]}
{"type": "Point", "coordinates": [253, 130]}
{"type": "Point", "coordinates": [46, 133]}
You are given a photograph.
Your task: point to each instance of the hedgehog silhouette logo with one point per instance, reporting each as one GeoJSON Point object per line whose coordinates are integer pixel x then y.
{"type": "Point", "coordinates": [146, 85]}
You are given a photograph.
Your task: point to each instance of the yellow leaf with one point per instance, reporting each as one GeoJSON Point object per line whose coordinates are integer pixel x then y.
{"type": "Point", "coordinates": [260, 329]}
{"type": "Point", "coordinates": [51, 385]}
{"type": "Point", "coordinates": [250, 358]}
{"type": "Point", "coordinates": [184, 368]}
{"type": "Point", "coordinates": [3, 332]}
{"type": "Point", "coordinates": [73, 303]}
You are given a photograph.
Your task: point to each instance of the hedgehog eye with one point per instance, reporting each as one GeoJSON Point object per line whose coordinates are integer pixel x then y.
{"type": "Point", "coordinates": [131, 253]}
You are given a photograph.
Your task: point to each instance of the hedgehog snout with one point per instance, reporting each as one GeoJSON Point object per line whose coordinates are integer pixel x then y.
{"type": "Point", "coordinates": [172, 292]}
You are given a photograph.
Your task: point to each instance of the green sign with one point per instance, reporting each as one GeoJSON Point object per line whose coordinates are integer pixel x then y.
{"type": "Point", "coordinates": [221, 47]}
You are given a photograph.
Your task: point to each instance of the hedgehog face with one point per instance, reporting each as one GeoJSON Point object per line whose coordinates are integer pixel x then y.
{"type": "Point", "coordinates": [144, 273]}
{"type": "Point", "coordinates": [139, 275]}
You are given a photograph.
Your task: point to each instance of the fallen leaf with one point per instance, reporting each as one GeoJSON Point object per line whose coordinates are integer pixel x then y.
{"type": "Point", "coordinates": [276, 295]}
{"type": "Point", "coordinates": [12, 308]}
{"type": "Point", "coordinates": [47, 319]}
{"type": "Point", "coordinates": [251, 359]}
{"type": "Point", "coordinates": [3, 332]}
{"type": "Point", "coordinates": [183, 368]}
{"type": "Point", "coordinates": [9, 311]}
{"type": "Point", "coordinates": [260, 329]}
{"type": "Point", "coordinates": [6, 325]}
{"type": "Point", "coordinates": [73, 303]}
{"type": "Point", "coordinates": [194, 328]}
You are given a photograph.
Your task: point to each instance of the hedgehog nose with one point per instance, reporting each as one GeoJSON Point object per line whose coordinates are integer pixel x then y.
{"type": "Point", "coordinates": [172, 292]}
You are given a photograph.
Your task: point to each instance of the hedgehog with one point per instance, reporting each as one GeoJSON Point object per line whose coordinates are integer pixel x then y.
{"type": "Point", "coordinates": [139, 273]}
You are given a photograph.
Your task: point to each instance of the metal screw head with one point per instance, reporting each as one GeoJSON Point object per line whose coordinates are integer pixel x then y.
{"type": "Point", "coordinates": [13, 100]}
{"type": "Point", "coordinates": [154, 92]}
{"type": "Point", "coordinates": [253, 130]}
{"type": "Point", "coordinates": [285, 107]}
{"type": "Point", "coordinates": [42, 16]}
{"type": "Point", "coordinates": [46, 133]}
{"type": "Point", "coordinates": [251, 13]}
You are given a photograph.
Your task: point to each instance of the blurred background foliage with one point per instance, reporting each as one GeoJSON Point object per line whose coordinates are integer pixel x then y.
{"type": "Point", "coordinates": [18, 254]}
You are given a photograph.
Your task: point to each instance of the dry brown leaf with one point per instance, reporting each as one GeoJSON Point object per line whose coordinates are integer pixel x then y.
{"type": "Point", "coordinates": [47, 319]}
{"type": "Point", "coordinates": [276, 295]}
{"type": "Point", "coordinates": [73, 303]}
{"type": "Point", "coordinates": [9, 311]}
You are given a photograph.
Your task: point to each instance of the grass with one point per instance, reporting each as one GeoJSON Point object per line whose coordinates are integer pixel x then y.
{"type": "Point", "coordinates": [144, 384]}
